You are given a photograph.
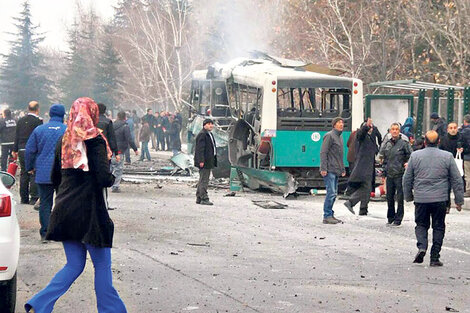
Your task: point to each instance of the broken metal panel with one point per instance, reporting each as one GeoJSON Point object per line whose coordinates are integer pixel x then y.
{"type": "Point", "coordinates": [277, 181]}
{"type": "Point", "coordinates": [183, 161]}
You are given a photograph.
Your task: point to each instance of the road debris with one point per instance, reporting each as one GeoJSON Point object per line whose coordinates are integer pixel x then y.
{"type": "Point", "coordinates": [269, 204]}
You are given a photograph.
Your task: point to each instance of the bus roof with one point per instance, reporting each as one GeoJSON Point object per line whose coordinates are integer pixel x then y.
{"type": "Point", "coordinates": [255, 72]}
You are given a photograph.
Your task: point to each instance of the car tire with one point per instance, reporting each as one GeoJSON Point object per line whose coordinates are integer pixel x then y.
{"type": "Point", "coordinates": [8, 298]}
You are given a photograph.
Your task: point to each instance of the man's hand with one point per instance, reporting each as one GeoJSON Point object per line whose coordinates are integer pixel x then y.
{"type": "Point", "coordinates": [201, 165]}
{"type": "Point", "coordinates": [460, 150]}
{"type": "Point", "coordinates": [323, 173]}
{"type": "Point", "coordinates": [32, 172]}
{"type": "Point", "coordinates": [459, 207]}
{"type": "Point", "coordinates": [343, 174]}
{"type": "Point", "coordinates": [15, 155]}
{"type": "Point", "coordinates": [136, 152]}
{"type": "Point", "coordinates": [406, 165]}
{"type": "Point", "coordinates": [118, 158]}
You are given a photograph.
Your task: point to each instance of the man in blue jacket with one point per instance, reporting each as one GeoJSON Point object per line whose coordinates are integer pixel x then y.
{"type": "Point", "coordinates": [40, 150]}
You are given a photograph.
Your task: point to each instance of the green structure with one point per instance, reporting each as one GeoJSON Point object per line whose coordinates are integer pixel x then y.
{"type": "Point", "coordinates": [422, 88]}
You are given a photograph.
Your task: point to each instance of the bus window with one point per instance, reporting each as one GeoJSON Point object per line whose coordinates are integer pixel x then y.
{"type": "Point", "coordinates": [335, 102]}
{"type": "Point", "coordinates": [295, 100]}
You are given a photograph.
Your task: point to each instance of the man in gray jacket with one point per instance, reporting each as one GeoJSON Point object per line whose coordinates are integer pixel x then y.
{"type": "Point", "coordinates": [331, 166]}
{"type": "Point", "coordinates": [426, 181]}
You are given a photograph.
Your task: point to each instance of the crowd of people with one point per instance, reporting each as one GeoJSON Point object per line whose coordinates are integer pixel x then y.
{"type": "Point", "coordinates": [423, 170]}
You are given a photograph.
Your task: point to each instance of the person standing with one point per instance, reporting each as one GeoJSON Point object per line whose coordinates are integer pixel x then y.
{"type": "Point", "coordinates": [39, 156]}
{"type": "Point", "coordinates": [427, 178]}
{"type": "Point", "coordinates": [360, 178]}
{"type": "Point", "coordinates": [174, 133]}
{"type": "Point", "coordinates": [205, 158]}
{"type": "Point", "coordinates": [438, 124]}
{"type": "Point", "coordinates": [465, 131]}
{"type": "Point", "coordinates": [331, 167]}
{"type": "Point", "coordinates": [107, 129]}
{"type": "Point", "coordinates": [452, 141]}
{"type": "Point", "coordinates": [396, 153]}
{"type": "Point", "coordinates": [24, 129]}
{"type": "Point", "coordinates": [80, 219]}
{"type": "Point", "coordinates": [7, 137]}
{"type": "Point", "coordinates": [159, 132]}
{"type": "Point", "coordinates": [145, 137]}
{"type": "Point", "coordinates": [151, 121]}
{"type": "Point", "coordinates": [130, 122]}
{"type": "Point", "coordinates": [166, 128]}
{"type": "Point", "coordinates": [123, 140]}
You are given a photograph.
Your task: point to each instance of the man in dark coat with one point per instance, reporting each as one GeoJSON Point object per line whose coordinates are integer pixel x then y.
{"type": "Point", "coordinates": [40, 152]}
{"type": "Point", "coordinates": [174, 132]}
{"type": "Point", "coordinates": [159, 132]}
{"type": "Point", "coordinates": [166, 128]}
{"type": "Point", "coordinates": [360, 179]}
{"type": "Point", "coordinates": [7, 136]}
{"type": "Point", "coordinates": [465, 131]}
{"type": "Point", "coordinates": [438, 124]}
{"type": "Point", "coordinates": [123, 141]}
{"type": "Point", "coordinates": [427, 178]}
{"type": "Point", "coordinates": [452, 141]}
{"type": "Point", "coordinates": [150, 119]}
{"type": "Point", "coordinates": [395, 153]}
{"type": "Point", "coordinates": [106, 127]}
{"type": "Point", "coordinates": [205, 158]}
{"type": "Point", "coordinates": [24, 129]}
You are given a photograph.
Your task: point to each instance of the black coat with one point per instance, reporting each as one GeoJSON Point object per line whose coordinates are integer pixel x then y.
{"type": "Point", "coordinates": [204, 151]}
{"type": "Point", "coordinates": [123, 136]}
{"type": "Point", "coordinates": [451, 143]}
{"type": "Point", "coordinates": [365, 157]}
{"type": "Point", "coordinates": [80, 212]}
{"type": "Point", "coordinates": [106, 126]}
{"type": "Point", "coordinates": [174, 132]}
{"type": "Point", "coordinates": [24, 129]}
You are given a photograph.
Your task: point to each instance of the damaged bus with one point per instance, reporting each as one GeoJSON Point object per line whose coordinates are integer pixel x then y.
{"type": "Point", "coordinates": [278, 113]}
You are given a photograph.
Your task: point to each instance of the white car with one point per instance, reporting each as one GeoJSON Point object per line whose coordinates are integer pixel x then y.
{"type": "Point", "coordinates": [9, 244]}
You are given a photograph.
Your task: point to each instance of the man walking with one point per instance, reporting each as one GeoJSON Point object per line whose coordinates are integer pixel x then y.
{"type": "Point", "coordinates": [107, 129]}
{"type": "Point", "coordinates": [396, 153]}
{"type": "Point", "coordinates": [360, 179]}
{"type": "Point", "coordinates": [205, 158]}
{"type": "Point", "coordinates": [466, 152]}
{"type": "Point", "coordinates": [331, 167]}
{"type": "Point", "coordinates": [151, 121]}
{"type": "Point", "coordinates": [24, 129]}
{"type": "Point", "coordinates": [123, 140]}
{"type": "Point", "coordinates": [7, 136]}
{"type": "Point", "coordinates": [426, 182]}
{"type": "Point", "coordinates": [40, 152]}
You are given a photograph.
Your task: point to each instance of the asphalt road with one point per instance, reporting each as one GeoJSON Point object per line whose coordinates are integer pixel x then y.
{"type": "Point", "coordinates": [171, 255]}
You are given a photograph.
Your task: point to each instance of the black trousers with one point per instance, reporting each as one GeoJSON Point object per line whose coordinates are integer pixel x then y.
{"type": "Point", "coordinates": [395, 187]}
{"type": "Point", "coordinates": [360, 192]}
{"type": "Point", "coordinates": [167, 139]}
{"type": "Point", "coordinates": [27, 185]}
{"type": "Point", "coordinates": [203, 184]}
{"type": "Point", "coordinates": [160, 139]}
{"type": "Point", "coordinates": [427, 214]}
{"type": "Point", "coordinates": [6, 152]}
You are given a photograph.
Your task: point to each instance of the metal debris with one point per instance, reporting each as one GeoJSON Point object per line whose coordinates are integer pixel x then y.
{"type": "Point", "coordinates": [268, 204]}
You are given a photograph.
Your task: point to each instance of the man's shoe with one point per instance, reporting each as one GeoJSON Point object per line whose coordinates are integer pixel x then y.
{"type": "Point", "coordinates": [33, 201]}
{"type": "Point", "coordinates": [330, 220]}
{"type": "Point", "coordinates": [339, 221]}
{"type": "Point", "coordinates": [206, 202]}
{"type": "Point", "coordinates": [419, 258]}
{"type": "Point", "coordinates": [115, 190]}
{"type": "Point", "coordinates": [348, 205]}
{"type": "Point", "coordinates": [363, 212]}
{"type": "Point", "coordinates": [198, 200]}
{"type": "Point", "coordinates": [37, 204]}
{"type": "Point", "coordinates": [110, 208]}
{"type": "Point", "coordinates": [435, 263]}
{"type": "Point", "coordinates": [44, 240]}
{"type": "Point", "coordinates": [24, 201]}
{"type": "Point", "coordinates": [395, 224]}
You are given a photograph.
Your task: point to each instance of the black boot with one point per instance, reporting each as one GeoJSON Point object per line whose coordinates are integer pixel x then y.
{"type": "Point", "coordinates": [435, 262]}
{"type": "Point", "coordinates": [419, 258]}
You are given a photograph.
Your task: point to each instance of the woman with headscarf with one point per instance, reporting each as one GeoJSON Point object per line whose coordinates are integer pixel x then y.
{"type": "Point", "coordinates": [80, 218]}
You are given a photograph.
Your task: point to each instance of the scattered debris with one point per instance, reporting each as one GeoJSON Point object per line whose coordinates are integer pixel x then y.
{"type": "Point", "coordinates": [199, 244]}
{"type": "Point", "coordinates": [173, 253]}
{"type": "Point", "coordinates": [269, 204]}
{"type": "Point", "coordinates": [449, 309]}
{"type": "Point", "coordinates": [230, 194]}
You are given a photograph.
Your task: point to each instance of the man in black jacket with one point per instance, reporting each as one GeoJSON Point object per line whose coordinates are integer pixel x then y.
{"type": "Point", "coordinates": [106, 127]}
{"type": "Point", "coordinates": [7, 136]}
{"type": "Point", "coordinates": [150, 119]}
{"type": "Point", "coordinates": [396, 153]}
{"type": "Point", "coordinates": [24, 129]}
{"type": "Point", "coordinates": [205, 158]}
{"type": "Point", "coordinates": [123, 141]}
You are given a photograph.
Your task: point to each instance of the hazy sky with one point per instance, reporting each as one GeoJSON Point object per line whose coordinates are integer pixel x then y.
{"type": "Point", "coordinates": [52, 16]}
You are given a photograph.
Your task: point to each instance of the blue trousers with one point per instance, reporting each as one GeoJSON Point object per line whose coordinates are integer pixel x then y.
{"type": "Point", "coordinates": [107, 298]}
{"type": "Point", "coordinates": [145, 153]}
{"type": "Point", "coordinates": [46, 195]}
{"type": "Point", "coordinates": [331, 184]}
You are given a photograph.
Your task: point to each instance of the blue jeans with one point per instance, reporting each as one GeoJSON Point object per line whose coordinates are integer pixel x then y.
{"type": "Point", "coordinates": [117, 168]}
{"type": "Point", "coordinates": [331, 184]}
{"type": "Point", "coordinates": [107, 298]}
{"type": "Point", "coordinates": [145, 153]}
{"type": "Point", "coordinates": [46, 196]}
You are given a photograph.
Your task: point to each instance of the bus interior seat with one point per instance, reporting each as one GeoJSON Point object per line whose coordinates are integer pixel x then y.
{"type": "Point", "coordinates": [346, 114]}
{"type": "Point", "coordinates": [330, 113]}
{"type": "Point", "coordinates": [289, 112]}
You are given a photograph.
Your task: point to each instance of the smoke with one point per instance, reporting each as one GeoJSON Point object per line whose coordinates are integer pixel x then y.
{"type": "Point", "coordinates": [232, 28]}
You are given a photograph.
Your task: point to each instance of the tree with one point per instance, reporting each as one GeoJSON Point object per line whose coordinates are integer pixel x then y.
{"type": "Point", "coordinates": [107, 77]}
{"type": "Point", "coordinates": [22, 73]}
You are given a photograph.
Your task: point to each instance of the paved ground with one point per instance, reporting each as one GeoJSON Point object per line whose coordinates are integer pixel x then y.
{"type": "Point", "coordinates": [172, 255]}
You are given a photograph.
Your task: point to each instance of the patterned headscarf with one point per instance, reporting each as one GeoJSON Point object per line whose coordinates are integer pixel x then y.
{"type": "Point", "coordinates": [81, 126]}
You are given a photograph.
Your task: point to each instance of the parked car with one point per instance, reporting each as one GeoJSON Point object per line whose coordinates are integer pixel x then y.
{"type": "Point", "coordinates": [9, 245]}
